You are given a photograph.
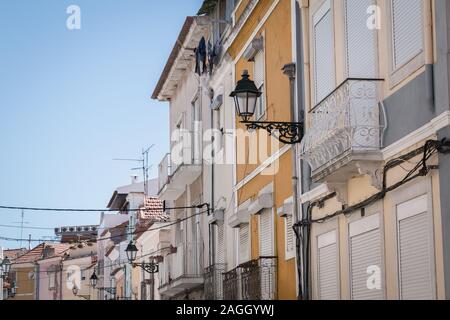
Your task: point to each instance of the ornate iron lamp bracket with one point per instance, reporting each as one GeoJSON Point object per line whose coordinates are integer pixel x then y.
{"type": "Point", "coordinates": [288, 132]}
{"type": "Point", "coordinates": [148, 267]}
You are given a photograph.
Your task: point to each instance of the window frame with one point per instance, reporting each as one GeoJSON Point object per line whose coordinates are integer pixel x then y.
{"type": "Point", "coordinates": [376, 208]}
{"type": "Point", "coordinates": [410, 192]}
{"type": "Point", "coordinates": [239, 260]}
{"type": "Point", "coordinates": [399, 74]}
{"type": "Point", "coordinates": [319, 230]}
{"type": "Point", "coordinates": [262, 101]}
{"type": "Point", "coordinates": [270, 212]}
{"type": "Point", "coordinates": [312, 17]}
{"type": "Point", "coordinates": [289, 254]}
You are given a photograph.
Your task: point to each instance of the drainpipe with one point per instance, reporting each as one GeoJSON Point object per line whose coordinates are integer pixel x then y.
{"type": "Point", "coordinates": [61, 265]}
{"type": "Point", "coordinates": [212, 256]}
{"type": "Point", "coordinates": [290, 71]}
{"type": "Point", "coordinates": [1, 279]}
{"type": "Point", "coordinates": [37, 280]}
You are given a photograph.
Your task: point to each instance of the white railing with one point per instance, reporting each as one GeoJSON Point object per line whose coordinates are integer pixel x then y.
{"type": "Point", "coordinates": [347, 120]}
{"type": "Point", "coordinates": [186, 262]}
{"type": "Point", "coordinates": [164, 172]}
{"type": "Point", "coordinates": [187, 150]}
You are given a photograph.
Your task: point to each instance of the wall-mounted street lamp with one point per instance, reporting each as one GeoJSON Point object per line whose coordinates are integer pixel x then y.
{"type": "Point", "coordinates": [131, 252]}
{"type": "Point", "coordinates": [246, 96]}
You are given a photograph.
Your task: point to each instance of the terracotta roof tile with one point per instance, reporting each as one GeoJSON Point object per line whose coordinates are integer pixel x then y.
{"type": "Point", "coordinates": [14, 253]}
{"type": "Point", "coordinates": [32, 255]}
{"type": "Point", "coordinates": [39, 252]}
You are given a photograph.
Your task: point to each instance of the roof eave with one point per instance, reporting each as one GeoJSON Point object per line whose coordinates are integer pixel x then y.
{"type": "Point", "coordinates": [182, 56]}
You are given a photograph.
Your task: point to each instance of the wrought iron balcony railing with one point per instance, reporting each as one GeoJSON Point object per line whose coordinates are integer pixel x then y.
{"type": "Point", "coordinates": [214, 281]}
{"type": "Point", "coordinates": [345, 122]}
{"type": "Point", "coordinates": [253, 280]}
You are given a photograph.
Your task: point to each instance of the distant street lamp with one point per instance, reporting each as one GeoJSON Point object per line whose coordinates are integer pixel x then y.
{"type": "Point", "coordinates": [75, 290]}
{"type": "Point", "coordinates": [5, 267]}
{"type": "Point", "coordinates": [93, 280]}
{"type": "Point", "coordinates": [131, 252]}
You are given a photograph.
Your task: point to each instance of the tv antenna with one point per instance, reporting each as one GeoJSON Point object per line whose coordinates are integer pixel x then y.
{"type": "Point", "coordinates": [21, 222]}
{"type": "Point", "coordinates": [145, 166]}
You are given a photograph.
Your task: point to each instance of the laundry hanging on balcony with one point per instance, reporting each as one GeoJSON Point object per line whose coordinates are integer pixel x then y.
{"type": "Point", "coordinates": [200, 57]}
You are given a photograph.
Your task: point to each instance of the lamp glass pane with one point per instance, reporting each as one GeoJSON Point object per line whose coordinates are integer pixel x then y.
{"type": "Point", "coordinates": [252, 98]}
{"type": "Point", "coordinates": [242, 103]}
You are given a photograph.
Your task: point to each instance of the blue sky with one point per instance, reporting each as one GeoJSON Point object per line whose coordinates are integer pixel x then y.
{"type": "Point", "coordinates": [73, 100]}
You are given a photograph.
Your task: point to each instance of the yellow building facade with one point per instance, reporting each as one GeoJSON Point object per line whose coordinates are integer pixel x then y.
{"type": "Point", "coordinates": [262, 46]}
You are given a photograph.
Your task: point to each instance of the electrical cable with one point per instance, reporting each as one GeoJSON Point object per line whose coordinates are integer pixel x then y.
{"type": "Point", "coordinates": [89, 265]}
{"type": "Point", "coordinates": [115, 236]}
{"type": "Point", "coordinates": [19, 227]}
{"type": "Point", "coordinates": [98, 210]}
{"type": "Point", "coordinates": [421, 169]}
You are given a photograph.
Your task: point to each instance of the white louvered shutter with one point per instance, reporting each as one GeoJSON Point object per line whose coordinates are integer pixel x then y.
{"type": "Point", "coordinates": [266, 234]}
{"type": "Point", "coordinates": [365, 253]}
{"type": "Point", "coordinates": [220, 240]}
{"type": "Point", "coordinates": [290, 243]}
{"type": "Point", "coordinates": [360, 40]}
{"type": "Point", "coordinates": [415, 250]}
{"type": "Point", "coordinates": [407, 30]}
{"type": "Point", "coordinates": [259, 82]}
{"type": "Point", "coordinates": [323, 37]}
{"type": "Point", "coordinates": [327, 272]}
{"type": "Point", "coordinates": [244, 242]}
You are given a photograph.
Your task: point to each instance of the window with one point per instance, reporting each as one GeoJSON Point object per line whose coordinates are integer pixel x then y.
{"type": "Point", "coordinates": [266, 243]}
{"type": "Point", "coordinates": [407, 30]}
{"type": "Point", "coordinates": [361, 42]}
{"type": "Point", "coordinates": [323, 46]}
{"type": "Point", "coordinates": [407, 22]}
{"type": "Point", "coordinates": [327, 266]}
{"type": "Point", "coordinates": [51, 280]}
{"type": "Point", "coordinates": [365, 249]}
{"type": "Point", "coordinates": [259, 77]}
{"type": "Point", "coordinates": [196, 130]}
{"type": "Point", "coordinates": [179, 233]}
{"type": "Point", "coordinates": [415, 256]}
{"type": "Point", "coordinates": [244, 243]}
{"type": "Point", "coordinates": [222, 16]}
{"type": "Point", "coordinates": [289, 237]}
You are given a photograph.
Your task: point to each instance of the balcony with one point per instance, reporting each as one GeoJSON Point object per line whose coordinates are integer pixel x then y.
{"type": "Point", "coordinates": [181, 167]}
{"type": "Point", "coordinates": [253, 280]}
{"type": "Point", "coordinates": [182, 270]}
{"type": "Point", "coordinates": [214, 281]}
{"type": "Point", "coordinates": [344, 133]}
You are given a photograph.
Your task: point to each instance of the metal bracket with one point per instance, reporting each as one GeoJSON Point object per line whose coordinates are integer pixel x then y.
{"type": "Point", "coordinates": [148, 267]}
{"type": "Point", "coordinates": [288, 132]}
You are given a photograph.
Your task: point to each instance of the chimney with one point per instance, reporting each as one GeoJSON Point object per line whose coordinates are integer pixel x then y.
{"type": "Point", "coordinates": [134, 179]}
